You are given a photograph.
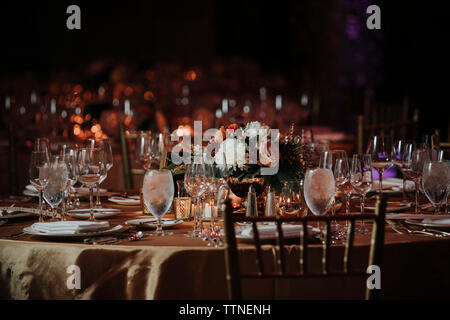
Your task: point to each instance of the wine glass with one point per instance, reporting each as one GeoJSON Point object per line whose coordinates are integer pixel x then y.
{"type": "Point", "coordinates": [71, 158]}
{"type": "Point", "coordinates": [92, 166]}
{"type": "Point", "coordinates": [319, 190]}
{"type": "Point", "coordinates": [380, 149]}
{"type": "Point", "coordinates": [158, 191]}
{"type": "Point", "coordinates": [401, 147]}
{"type": "Point", "coordinates": [41, 144]}
{"type": "Point", "coordinates": [436, 182]}
{"type": "Point", "coordinates": [38, 173]}
{"type": "Point", "coordinates": [342, 178]}
{"type": "Point", "coordinates": [361, 179]}
{"type": "Point", "coordinates": [195, 182]}
{"type": "Point", "coordinates": [105, 145]}
{"type": "Point", "coordinates": [56, 187]}
{"type": "Point", "coordinates": [149, 148]}
{"type": "Point", "coordinates": [414, 159]}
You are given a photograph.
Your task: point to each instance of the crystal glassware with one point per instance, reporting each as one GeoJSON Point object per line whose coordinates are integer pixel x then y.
{"type": "Point", "coordinates": [436, 182]}
{"type": "Point", "coordinates": [341, 173]}
{"type": "Point", "coordinates": [380, 148]}
{"type": "Point", "coordinates": [361, 179]}
{"type": "Point", "coordinates": [196, 184]}
{"type": "Point", "coordinates": [70, 157]}
{"type": "Point", "coordinates": [56, 187]}
{"type": "Point", "coordinates": [38, 173]}
{"type": "Point", "coordinates": [92, 166]}
{"type": "Point", "coordinates": [319, 190]}
{"type": "Point", "coordinates": [105, 145]}
{"type": "Point", "coordinates": [158, 191]}
{"type": "Point", "coordinates": [414, 159]}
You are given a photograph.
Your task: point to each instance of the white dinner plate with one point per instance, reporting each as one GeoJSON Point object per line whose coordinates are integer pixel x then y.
{"type": "Point", "coordinates": [99, 213]}
{"type": "Point", "coordinates": [152, 223]}
{"type": "Point", "coordinates": [430, 223]}
{"type": "Point", "coordinates": [391, 206]}
{"type": "Point", "coordinates": [116, 229]}
{"type": "Point", "coordinates": [130, 201]}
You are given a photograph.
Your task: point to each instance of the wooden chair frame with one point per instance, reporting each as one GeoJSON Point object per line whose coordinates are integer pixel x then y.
{"type": "Point", "coordinates": [234, 276]}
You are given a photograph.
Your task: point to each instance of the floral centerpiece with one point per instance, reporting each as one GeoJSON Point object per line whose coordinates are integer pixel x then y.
{"type": "Point", "coordinates": [254, 155]}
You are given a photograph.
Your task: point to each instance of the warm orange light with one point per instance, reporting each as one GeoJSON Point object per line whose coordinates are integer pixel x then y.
{"type": "Point", "coordinates": [96, 128]}
{"type": "Point", "coordinates": [88, 117]}
{"type": "Point", "coordinates": [127, 121]}
{"type": "Point", "coordinates": [76, 130]}
{"type": "Point", "coordinates": [78, 119]}
{"type": "Point", "coordinates": [190, 75]}
{"type": "Point", "coordinates": [148, 95]}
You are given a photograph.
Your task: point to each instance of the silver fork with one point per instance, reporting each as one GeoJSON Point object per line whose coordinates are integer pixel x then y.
{"type": "Point", "coordinates": [406, 230]}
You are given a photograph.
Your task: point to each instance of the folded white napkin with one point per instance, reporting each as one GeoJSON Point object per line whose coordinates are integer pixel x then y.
{"type": "Point", "coordinates": [269, 231]}
{"type": "Point", "coordinates": [69, 227]}
{"type": "Point", "coordinates": [395, 184]}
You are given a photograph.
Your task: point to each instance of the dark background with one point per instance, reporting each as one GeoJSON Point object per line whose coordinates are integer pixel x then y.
{"type": "Point", "coordinates": [307, 41]}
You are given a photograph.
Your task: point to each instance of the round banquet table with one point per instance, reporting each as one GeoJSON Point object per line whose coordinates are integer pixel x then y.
{"type": "Point", "coordinates": [178, 267]}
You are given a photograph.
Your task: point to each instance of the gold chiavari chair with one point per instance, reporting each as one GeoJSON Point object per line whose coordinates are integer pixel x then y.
{"type": "Point", "coordinates": [234, 276]}
{"type": "Point", "coordinates": [128, 172]}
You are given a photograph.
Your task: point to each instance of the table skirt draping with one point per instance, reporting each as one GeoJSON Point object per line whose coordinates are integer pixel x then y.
{"type": "Point", "coordinates": [414, 267]}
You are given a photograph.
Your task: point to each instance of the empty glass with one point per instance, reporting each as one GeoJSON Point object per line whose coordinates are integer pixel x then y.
{"type": "Point", "coordinates": [342, 178]}
{"type": "Point", "coordinates": [105, 145]}
{"type": "Point", "coordinates": [56, 187]}
{"type": "Point", "coordinates": [380, 148]}
{"type": "Point", "coordinates": [92, 166]}
{"type": "Point", "coordinates": [400, 148]}
{"type": "Point", "coordinates": [149, 149]}
{"type": "Point", "coordinates": [414, 159]}
{"type": "Point", "coordinates": [158, 191]}
{"type": "Point", "coordinates": [38, 174]}
{"type": "Point", "coordinates": [196, 183]}
{"type": "Point", "coordinates": [436, 182]}
{"type": "Point", "coordinates": [361, 178]}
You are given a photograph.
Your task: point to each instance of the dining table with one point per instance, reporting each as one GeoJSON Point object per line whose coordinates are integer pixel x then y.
{"type": "Point", "coordinates": [177, 267]}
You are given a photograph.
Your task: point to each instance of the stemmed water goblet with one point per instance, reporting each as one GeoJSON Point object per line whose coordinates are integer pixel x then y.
{"type": "Point", "coordinates": [436, 182]}
{"type": "Point", "coordinates": [319, 190]}
{"type": "Point", "coordinates": [56, 187]}
{"type": "Point", "coordinates": [414, 159]}
{"type": "Point", "coordinates": [196, 183]}
{"type": "Point", "coordinates": [400, 148]}
{"type": "Point", "coordinates": [158, 191]}
{"type": "Point", "coordinates": [341, 173]}
{"type": "Point", "coordinates": [380, 149]}
{"type": "Point", "coordinates": [104, 145]}
{"type": "Point", "coordinates": [149, 149]}
{"type": "Point", "coordinates": [71, 160]}
{"type": "Point", "coordinates": [38, 173]}
{"type": "Point", "coordinates": [92, 166]}
{"type": "Point", "coordinates": [361, 179]}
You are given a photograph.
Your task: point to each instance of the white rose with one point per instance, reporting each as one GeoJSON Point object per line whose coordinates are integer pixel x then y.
{"type": "Point", "coordinates": [233, 152]}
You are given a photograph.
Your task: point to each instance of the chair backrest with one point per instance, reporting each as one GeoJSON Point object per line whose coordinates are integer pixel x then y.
{"type": "Point", "coordinates": [387, 117]}
{"type": "Point", "coordinates": [234, 276]}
